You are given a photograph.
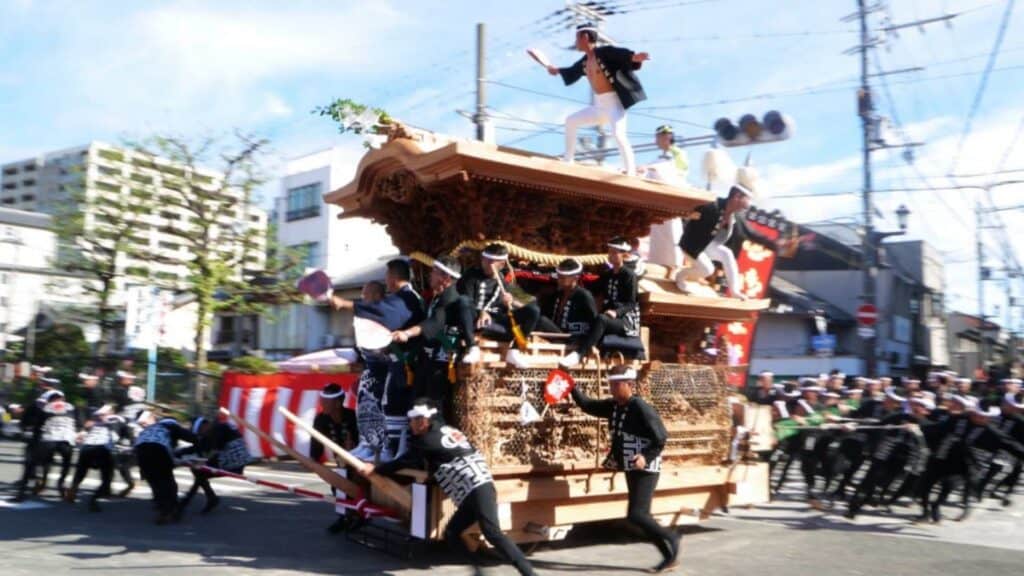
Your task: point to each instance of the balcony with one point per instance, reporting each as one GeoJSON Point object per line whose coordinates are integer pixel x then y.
{"type": "Point", "coordinates": [302, 213]}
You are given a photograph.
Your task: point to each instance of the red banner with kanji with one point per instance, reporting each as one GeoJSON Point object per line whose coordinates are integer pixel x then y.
{"type": "Point", "coordinates": [756, 264]}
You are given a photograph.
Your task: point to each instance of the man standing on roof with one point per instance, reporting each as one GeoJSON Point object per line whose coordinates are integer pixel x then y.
{"type": "Point", "coordinates": [611, 73]}
{"type": "Point", "coordinates": [672, 168]}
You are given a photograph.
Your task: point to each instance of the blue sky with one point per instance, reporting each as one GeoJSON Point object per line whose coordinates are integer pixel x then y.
{"type": "Point", "coordinates": [72, 71]}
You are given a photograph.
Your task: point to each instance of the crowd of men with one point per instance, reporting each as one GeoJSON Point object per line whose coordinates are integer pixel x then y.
{"type": "Point", "coordinates": [116, 430]}
{"type": "Point", "coordinates": [871, 443]}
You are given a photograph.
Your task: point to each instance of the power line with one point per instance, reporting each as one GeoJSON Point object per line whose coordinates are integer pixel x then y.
{"type": "Point", "coordinates": [820, 89]}
{"type": "Point", "coordinates": [577, 101]}
{"type": "Point", "coordinates": [968, 123]}
{"type": "Point", "coordinates": [750, 36]}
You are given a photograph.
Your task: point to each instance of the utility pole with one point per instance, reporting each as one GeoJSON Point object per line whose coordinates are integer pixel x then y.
{"type": "Point", "coordinates": [480, 118]}
{"type": "Point", "coordinates": [979, 248]}
{"type": "Point", "coordinates": [865, 108]}
{"type": "Point", "coordinates": [873, 140]}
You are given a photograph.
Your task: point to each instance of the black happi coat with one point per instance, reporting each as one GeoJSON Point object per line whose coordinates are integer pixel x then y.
{"type": "Point", "coordinates": [337, 432]}
{"type": "Point", "coordinates": [697, 234]}
{"type": "Point", "coordinates": [620, 294]}
{"type": "Point", "coordinates": [635, 428]}
{"type": "Point", "coordinates": [618, 67]}
{"type": "Point", "coordinates": [573, 314]}
{"type": "Point", "coordinates": [483, 291]}
{"type": "Point", "coordinates": [446, 453]}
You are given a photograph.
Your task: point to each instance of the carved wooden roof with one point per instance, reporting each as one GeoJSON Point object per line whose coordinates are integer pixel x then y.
{"type": "Point", "coordinates": [431, 194]}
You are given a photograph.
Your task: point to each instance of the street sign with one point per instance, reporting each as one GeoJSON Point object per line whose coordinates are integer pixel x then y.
{"type": "Point", "coordinates": [866, 332]}
{"type": "Point", "coordinates": [823, 342]}
{"type": "Point", "coordinates": [867, 315]}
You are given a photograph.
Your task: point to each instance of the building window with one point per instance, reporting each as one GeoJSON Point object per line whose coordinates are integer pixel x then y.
{"type": "Point", "coordinates": [29, 167]}
{"type": "Point", "coordinates": [8, 200]}
{"type": "Point", "coordinates": [309, 254]}
{"type": "Point", "coordinates": [226, 335]}
{"type": "Point", "coordinates": [29, 182]}
{"type": "Point", "coordinates": [27, 197]}
{"type": "Point", "coordinates": [10, 185]}
{"type": "Point", "coordinates": [10, 171]}
{"type": "Point", "coordinates": [303, 202]}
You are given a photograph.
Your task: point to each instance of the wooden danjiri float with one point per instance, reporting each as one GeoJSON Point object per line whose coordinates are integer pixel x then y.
{"type": "Point", "coordinates": [436, 196]}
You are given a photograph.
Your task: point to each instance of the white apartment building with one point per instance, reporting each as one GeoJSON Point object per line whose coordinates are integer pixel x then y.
{"type": "Point", "coordinates": [350, 250]}
{"type": "Point", "coordinates": [29, 286]}
{"type": "Point", "coordinates": [110, 174]}
{"type": "Point", "coordinates": [114, 175]}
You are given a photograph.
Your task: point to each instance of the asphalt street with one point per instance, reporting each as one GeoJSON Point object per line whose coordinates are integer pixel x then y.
{"type": "Point", "coordinates": [264, 532]}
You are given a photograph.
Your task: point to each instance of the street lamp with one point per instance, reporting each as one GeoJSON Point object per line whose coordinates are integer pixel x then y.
{"type": "Point", "coordinates": [902, 213]}
{"type": "Point", "coordinates": [873, 240]}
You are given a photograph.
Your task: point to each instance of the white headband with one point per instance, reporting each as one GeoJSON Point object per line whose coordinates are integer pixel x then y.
{"type": "Point", "coordinates": [493, 256]}
{"type": "Point", "coordinates": [123, 374]}
{"type": "Point", "coordinates": [446, 270]}
{"type": "Point", "coordinates": [575, 270]}
{"type": "Point", "coordinates": [623, 246]}
{"type": "Point", "coordinates": [627, 375]}
{"type": "Point", "coordinates": [965, 401]}
{"type": "Point", "coordinates": [84, 376]}
{"type": "Point", "coordinates": [927, 403]}
{"type": "Point", "coordinates": [421, 411]}
{"type": "Point", "coordinates": [1011, 399]}
{"type": "Point", "coordinates": [891, 394]}
{"type": "Point", "coordinates": [41, 369]}
{"type": "Point", "coordinates": [339, 393]}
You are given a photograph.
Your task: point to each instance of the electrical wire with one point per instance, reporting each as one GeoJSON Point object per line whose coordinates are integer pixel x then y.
{"type": "Point", "coordinates": [968, 123]}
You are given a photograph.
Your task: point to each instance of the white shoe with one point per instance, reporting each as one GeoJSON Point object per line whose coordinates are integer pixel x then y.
{"type": "Point", "coordinates": [516, 359]}
{"type": "Point", "coordinates": [570, 360]}
{"type": "Point", "coordinates": [472, 356]}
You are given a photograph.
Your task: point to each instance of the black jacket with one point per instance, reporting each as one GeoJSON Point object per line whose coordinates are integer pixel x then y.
{"type": "Point", "coordinates": [483, 291]}
{"type": "Point", "coordinates": [618, 67]}
{"type": "Point", "coordinates": [634, 428]}
{"type": "Point", "coordinates": [573, 314]}
{"type": "Point", "coordinates": [336, 432]}
{"type": "Point", "coordinates": [440, 330]}
{"type": "Point", "coordinates": [697, 234]}
{"type": "Point", "coordinates": [619, 290]}
{"type": "Point", "coordinates": [446, 453]}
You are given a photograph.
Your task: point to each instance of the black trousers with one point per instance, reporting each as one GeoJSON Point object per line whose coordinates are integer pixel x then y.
{"type": "Point", "coordinates": [946, 475]}
{"type": "Point", "coordinates": [123, 462]}
{"type": "Point", "coordinates": [527, 317]}
{"type": "Point", "coordinates": [641, 487]}
{"type": "Point", "coordinates": [201, 481]}
{"type": "Point", "coordinates": [48, 450]}
{"type": "Point", "coordinates": [431, 381]}
{"type": "Point", "coordinates": [879, 476]}
{"type": "Point", "coordinates": [481, 506]}
{"type": "Point", "coordinates": [30, 462]}
{"type": "Point", "coordinates": [99, 458]}
{"type": "Point", "coordinates": [851, 454]}
{"type": "Point", "coordinates": [601, 325]}
{"type": "Point", "coordinates": [157, 468]}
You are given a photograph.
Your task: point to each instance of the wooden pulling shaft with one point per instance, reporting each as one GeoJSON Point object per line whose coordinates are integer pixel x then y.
{"type": "Point", "coordinates": [336, 480]}
{"type": "Point", "coordinates": [386, 491]}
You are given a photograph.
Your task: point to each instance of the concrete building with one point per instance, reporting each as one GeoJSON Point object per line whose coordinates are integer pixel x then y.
{"type": "Point", "coordinates": [971, 340]}
{"type": "Point", "coordinates": [911, 328]}
{"type": "Point", "coordinates": [109, 174]}
{"type": "Point", "coordinates": [351, 250]}
{"type": "Point", "coordinates": [31, 290]}
{"type": "Point", "coordinates": [49, 184]}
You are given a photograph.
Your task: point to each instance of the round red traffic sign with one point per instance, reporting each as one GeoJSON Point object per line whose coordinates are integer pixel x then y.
{"type": "Point", "coordinates": [867, 315]}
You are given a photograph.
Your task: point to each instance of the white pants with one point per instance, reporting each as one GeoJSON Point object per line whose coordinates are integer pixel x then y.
{"type": "Point", "coordinates": [607, 109]}
{"type": "Point", "coordinates": [703, 266]}
{"type": "Point", "coordinates": [664, 245]}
